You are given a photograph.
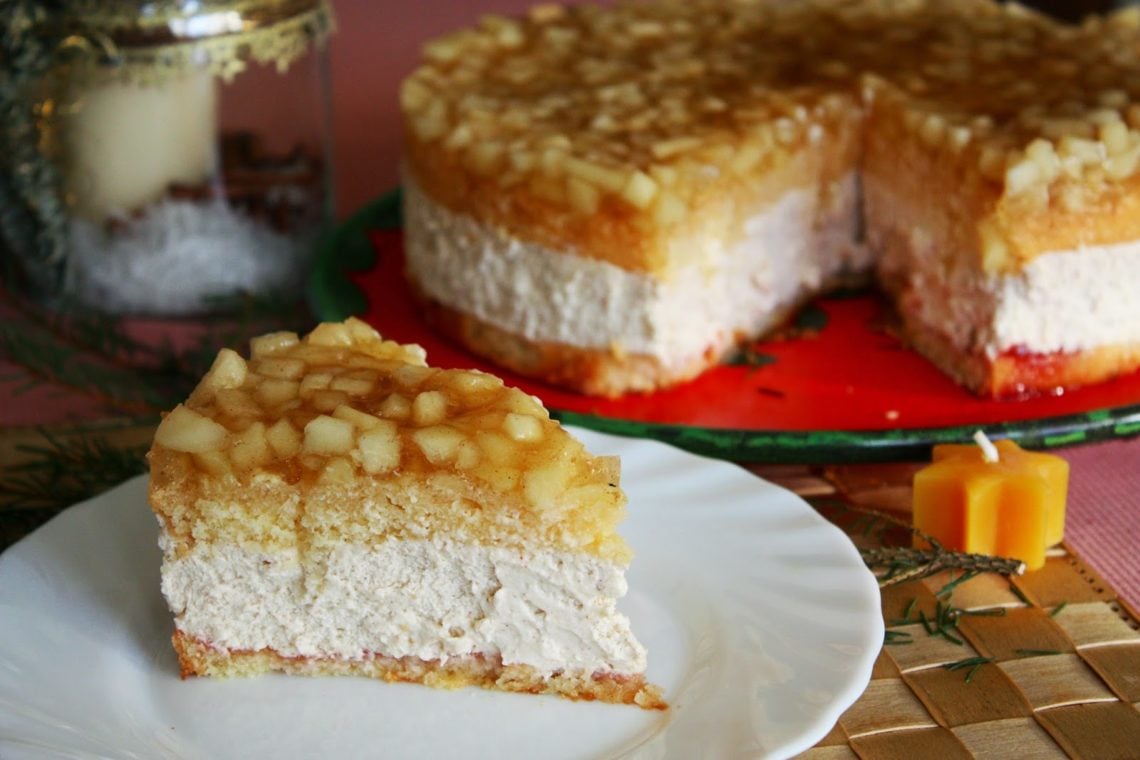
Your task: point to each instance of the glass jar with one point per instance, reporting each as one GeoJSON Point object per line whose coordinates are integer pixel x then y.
{"type": "Point", "coordinates": [181, 153]}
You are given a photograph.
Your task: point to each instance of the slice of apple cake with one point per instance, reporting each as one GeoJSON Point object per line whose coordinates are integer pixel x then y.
{"type": "Point", "coordinates": [335, 506]}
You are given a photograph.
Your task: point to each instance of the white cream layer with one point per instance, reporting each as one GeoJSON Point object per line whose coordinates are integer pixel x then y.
{"type": "Point", "coordinates": [1069, 301]}
{"type": "Point", "coordinates": [789, 247]}
{"type": "Point", "coordinates": [431, 599]}
{"type": "Point", "coordinates": [1062, 301]}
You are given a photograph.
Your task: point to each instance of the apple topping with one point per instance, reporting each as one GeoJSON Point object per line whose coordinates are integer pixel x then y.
{"type": "Point", "coordinates": [342, 404]}
{"type": "Point", "coordinates": [328, 435]}
{"type": "Point", "coordinates": [186, 430]}
{"type": "Point", "coordinates": [378, 447]}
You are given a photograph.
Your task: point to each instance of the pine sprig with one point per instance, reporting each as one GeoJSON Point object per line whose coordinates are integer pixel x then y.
{"type": "Point", "coordinates": [80, 350]}
{"type": "Point", "coordinates": [47, 359]}
{"type": "Point", "coordinates": [89, 352]}
{"type": "Point", "coordinates": [64, 470]}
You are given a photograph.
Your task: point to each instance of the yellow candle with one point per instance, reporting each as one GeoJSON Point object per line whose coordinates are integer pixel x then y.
{"type": "Point", "coordinates": [127, 142]}
{"type": "Point", "coordinates": [997, 499]}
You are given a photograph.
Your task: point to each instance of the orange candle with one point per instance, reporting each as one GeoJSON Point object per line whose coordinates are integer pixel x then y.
{"type": "Point", "coordinates": [993, 499]}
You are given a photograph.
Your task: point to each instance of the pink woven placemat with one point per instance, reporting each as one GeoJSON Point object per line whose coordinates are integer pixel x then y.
{"type": "Point", "coordinates": [1103, 520]}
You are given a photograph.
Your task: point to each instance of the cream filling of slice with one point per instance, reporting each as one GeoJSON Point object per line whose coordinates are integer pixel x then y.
{"type": "Point", "coordinates": [788, 248]}
{"type": "Point", "coordinates": [431, 599]}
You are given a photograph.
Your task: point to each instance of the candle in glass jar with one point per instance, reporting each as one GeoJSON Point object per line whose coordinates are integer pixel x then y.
{"type": "Point", "coordinates": [127, 142]}
{"type": "Point", "coordinates": [993, 498]}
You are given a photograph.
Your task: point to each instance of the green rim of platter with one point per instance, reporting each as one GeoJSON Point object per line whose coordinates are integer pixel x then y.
{"type": "Point", "coordinates": [334, 297]}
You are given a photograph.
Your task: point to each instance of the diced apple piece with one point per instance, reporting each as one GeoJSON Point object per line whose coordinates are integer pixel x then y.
{"type": "Point", "coordinates": [353, 386]}
{"type": "Point", "coordinates": [429, 408]}
{"type": "Point", "coordinates": [544, 484]}
{"type": "Point", "coordinates": [213, 463]}
{"type": "Point", "coordinates": [361, 331]}
{"type": "Point", "coordinates": [593, 493]}
{"type": "Point", "coordinates": [315, 381]}
{"type": "Point", "coordinates": [411, 376]}
{"type": "Point", "coordinates": [263, 345]}
{"type": "Point", "coordinates": [236, 402]}
{"type": "Point", "coordinates": [396, 407]}
{"type": "Point", "coordinates": [251, 448]}
{"type": "Point", "coordinates": [274, 392]}
{"type": "Point", "coordinates": [523, 403]}
{"type": "Point", "coordinates": [337, 471]}
{"type": "Point", "coordinates": [609, 467]}
{"type": "Point", "coordinates": [467, 456]}
{"type": "Point", "coordinates": [330, 334]}
{"type": "Point", "coordinates": [500, 477]}
{"type": "Point", "coordinates": [328, 435]}
{"type": "Point", "coordinates": [473, 381]}
{"type": "Point", "coordinates": [469, 388]}
{"type": "Point", "coordinates": [523, 427]}
{"type": "Point", "coordinates": [327, 401]}
{"type": "Point", "coordinates": [186, 430]}
{"type": "Point", "coordinates": [498, 449]}
{"type": "Point", "coordinates": [312, 462]}
{"type": "Point", "coordinates": [439, 443]}
{"type": "Point", "coordinates": [280, 368]}
{"type": "Point", "coordinates": [284, 439]}
{"type": "Point", "coordinates": [229, 370]}
{"type": "Point", "coordinates": [361, 420]}
{"type": "Point", "coordinates": [379, 448]}
{"type": "Point", "coordinates": [413, 353]}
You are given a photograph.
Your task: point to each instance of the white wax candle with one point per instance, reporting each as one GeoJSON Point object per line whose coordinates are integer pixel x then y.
{"type": "Point", "coordinates": [126, 143]}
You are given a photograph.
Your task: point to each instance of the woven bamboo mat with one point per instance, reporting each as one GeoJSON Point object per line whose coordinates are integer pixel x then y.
{"type": "Point", "coordinates": [1046, 665]}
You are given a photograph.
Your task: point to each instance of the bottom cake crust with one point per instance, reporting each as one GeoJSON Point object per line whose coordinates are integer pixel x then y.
{"type": "Point", "coordinates": [197, 658]}
{"type": "Point", "coordinates": [594, 372]}
{"type": "Point", "coordinates": [1010, 375]}
{"type": "Point", "coordinates": [1017, 374]}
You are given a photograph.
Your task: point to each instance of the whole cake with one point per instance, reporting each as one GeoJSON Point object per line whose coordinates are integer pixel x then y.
{"type": "Point", "coordinates": [612, 199]}
{"type": "Point", "coordinates": [334, 506]}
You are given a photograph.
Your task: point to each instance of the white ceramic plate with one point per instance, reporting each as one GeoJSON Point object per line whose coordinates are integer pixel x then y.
{"type": "Point", "coordinates": [760, 619]}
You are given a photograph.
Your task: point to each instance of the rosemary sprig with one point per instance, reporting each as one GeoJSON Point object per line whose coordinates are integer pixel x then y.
{"type": "Point", "coordinates": [930, 631]}
{"type": "Point", "coordinates": [945, 619]}
{"type": "Point", "coordinates": [948, 589]}
{"type": "Point", "coordinates": [891, 638]}
{"type": "Point", "coordinates": [973, 663]}
{"type": "Point", "coordinates": [990, 612]}
{"type": "Point", "coordinates": [1036, 652]}
{"type": "Point", "coordinates": [968, 662]}
{"type": "Point", "coordinates": [897, 564]}
{"type": "Point", "coordinates": [1057, 610]}
{"type": "Point", "coordinates": [944, 622]}
{"type": "Point", "coordinates": [903, 564]}
{"type": "Point", "coordinates": [1020, 594]}
{"type": "Point", "coordinates": [906, 613]}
